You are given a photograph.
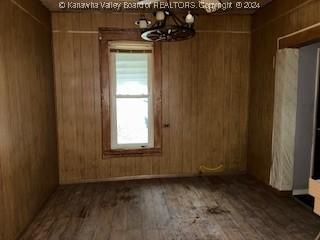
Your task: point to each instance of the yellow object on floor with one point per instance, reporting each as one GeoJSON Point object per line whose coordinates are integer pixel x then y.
{"type": "Point", "coordinates": [207, 169]}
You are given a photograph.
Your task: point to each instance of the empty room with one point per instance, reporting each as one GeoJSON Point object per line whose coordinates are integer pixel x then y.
{"type": "Point", "coordinates": [160, 120]}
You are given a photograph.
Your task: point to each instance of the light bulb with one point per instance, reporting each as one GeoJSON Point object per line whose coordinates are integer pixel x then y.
{"type": "Point", "coordinates": [189, 18]}
{"type": "Point", "coordinates": [143, 23]}
{"type": "Point", "coordinates": [160, 16]}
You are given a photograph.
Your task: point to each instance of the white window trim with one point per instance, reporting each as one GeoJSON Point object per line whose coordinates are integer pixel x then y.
{"type": "Point", "coordinates": [125, 45]}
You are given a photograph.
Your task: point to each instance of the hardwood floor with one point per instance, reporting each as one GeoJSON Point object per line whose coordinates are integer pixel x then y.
{"type": "Point", "coordinates": [215, 208]}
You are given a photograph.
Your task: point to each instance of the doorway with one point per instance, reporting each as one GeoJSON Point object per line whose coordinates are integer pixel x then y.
{"type": "Point", "coordinates": [315, 170]}
{"type": "Point", "coordinates": [307, 139]}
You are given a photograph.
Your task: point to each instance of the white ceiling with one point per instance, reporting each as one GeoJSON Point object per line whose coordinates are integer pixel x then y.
{"type": "Point", "coordinates": [53, 5]}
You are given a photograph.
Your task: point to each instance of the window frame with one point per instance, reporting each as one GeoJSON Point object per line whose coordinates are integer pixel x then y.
{"type": "Point", "coordinates": [107, 36]}
{"type": "Point", "coordinates": [139, 46]}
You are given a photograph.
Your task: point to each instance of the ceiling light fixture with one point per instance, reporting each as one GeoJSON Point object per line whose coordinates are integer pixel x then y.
{"type": "Point", "coordinates": [143, 23]}
{"type": "Point", "coordinates": [168, 27]}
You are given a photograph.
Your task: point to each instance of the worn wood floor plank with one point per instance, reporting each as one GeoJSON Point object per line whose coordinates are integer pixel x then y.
{"type": "Point", "coordinates": [207, 208]}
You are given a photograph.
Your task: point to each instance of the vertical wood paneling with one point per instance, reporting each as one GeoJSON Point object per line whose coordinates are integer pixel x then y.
{"type": "Point", "coordinates": [204, 123]}
{"type": "Point", "coordinates": [275, 20]}
{"type": "Point", "coordinates": [187, 96]}
{"type": "Point", "coordinates": [28, 154]}
{"type": "Point", "coordinates": [164, 161]}
{"type": "Point", "coordinates": [176, 83]}
{"type": "Point", "coordinates": [204, 99]}
{"type": "Point", "coordinates": [244, 99]}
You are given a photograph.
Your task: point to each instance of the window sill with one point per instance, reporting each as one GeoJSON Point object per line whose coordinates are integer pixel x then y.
{"type": "Point", "coordinates": [132, 153]}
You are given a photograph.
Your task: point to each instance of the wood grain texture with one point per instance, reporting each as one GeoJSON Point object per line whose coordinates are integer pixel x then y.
{"type": "Point", "coordinates": [35, 10]}
{"type": "Point", "coordinates": [205, 98]}
{"type": "Point", "coordinates": [277, 19]}
{"type": "Point", "coordinates": [28, 160]}
{"type": "Point", "coordinates": [224, 208]}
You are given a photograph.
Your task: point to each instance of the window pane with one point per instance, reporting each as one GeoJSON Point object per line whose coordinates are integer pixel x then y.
{"type": "Point", "coordinates": [132, 120]}
{"type": "Point", "coordinates": [132, 73]}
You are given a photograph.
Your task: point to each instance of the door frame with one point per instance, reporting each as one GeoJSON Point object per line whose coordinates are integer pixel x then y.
{"type": "Point", "coordinates": [300, 38]}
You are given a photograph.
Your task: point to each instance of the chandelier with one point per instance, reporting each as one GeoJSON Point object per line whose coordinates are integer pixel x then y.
{"type": "Point", "coordinates": [168, 27]}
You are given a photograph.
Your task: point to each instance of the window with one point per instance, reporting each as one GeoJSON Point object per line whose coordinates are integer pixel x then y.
{"type": "Point", "coordinates": [131, 96]}
{"type": "Point", "coordinates": [131, 68]}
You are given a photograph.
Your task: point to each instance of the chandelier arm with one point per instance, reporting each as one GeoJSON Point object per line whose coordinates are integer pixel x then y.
{"type": "Point", "coordinates": [177, 20]}
{"type": "Point", "coordinates": [168, 34]}
{"type": "Point", "coordinates": [165, 20]}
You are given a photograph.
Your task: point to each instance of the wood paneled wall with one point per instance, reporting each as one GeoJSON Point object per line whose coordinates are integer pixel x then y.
{"type": "Point", "coordinates": [28, 152]}
{"type": "Point", "coordinates": [205, 98]}
{"type": "Point", "coordinates": [279, 18]}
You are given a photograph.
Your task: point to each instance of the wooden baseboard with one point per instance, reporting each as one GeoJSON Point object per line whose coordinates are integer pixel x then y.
{"type": "Point", "coordinates": [144, 177]}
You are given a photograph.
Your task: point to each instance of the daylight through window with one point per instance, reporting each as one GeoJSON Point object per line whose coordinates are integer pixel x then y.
{"type": "Point", "coordinates": [131, 75]}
